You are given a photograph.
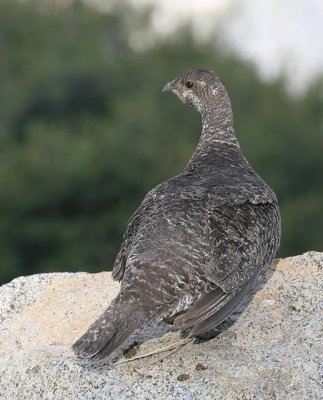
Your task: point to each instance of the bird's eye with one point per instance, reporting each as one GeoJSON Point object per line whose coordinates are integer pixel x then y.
{"type": "Point", "coordinates": [189, 84]}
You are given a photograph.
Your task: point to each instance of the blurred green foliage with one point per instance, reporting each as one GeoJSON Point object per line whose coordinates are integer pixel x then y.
{"type": "Point", "coordinates": [85, 132]}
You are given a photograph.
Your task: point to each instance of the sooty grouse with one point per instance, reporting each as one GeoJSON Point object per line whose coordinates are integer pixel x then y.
{"type": "Point", "coordinates": [198, 241]}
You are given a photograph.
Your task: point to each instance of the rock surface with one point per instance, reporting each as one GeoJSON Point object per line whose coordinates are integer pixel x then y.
{"type": "Point", "coordinates": [271, 350]}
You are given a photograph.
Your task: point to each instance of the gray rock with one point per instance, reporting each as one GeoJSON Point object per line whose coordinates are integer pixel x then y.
{"type": "Point", "coordinates": [270, 351]}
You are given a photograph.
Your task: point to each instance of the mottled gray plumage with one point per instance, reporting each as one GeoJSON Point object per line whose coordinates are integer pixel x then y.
{"type": "Point", "coordinates": [198, 241]}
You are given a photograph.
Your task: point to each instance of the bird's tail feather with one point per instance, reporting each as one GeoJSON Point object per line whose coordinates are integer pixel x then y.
{"type": "Point", "coordinates": [110, 330]}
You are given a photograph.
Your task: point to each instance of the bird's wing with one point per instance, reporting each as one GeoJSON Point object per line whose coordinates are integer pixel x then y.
{"type": "Point", "coordinates": [134, 222]}
{"type": "Point", "coordinates": [244, 238]}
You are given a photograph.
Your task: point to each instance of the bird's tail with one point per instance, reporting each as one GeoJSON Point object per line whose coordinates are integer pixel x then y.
{"type": "Point", "coordinates": [117, 324]}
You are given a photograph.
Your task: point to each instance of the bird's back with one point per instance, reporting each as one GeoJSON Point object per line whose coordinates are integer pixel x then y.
{"type": "Point", "coordinates": [185, 221]}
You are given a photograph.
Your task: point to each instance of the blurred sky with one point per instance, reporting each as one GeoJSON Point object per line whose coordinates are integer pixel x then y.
{"type": "Point", "coordinates": [280, 36]}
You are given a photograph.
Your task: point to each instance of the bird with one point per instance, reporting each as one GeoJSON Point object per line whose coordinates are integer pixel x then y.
{"type": "Point", "coordinates": [198, 242]}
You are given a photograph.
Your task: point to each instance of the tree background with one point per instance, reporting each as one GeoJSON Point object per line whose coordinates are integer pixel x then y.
{"type": "Point", "coordinates": [85, 132]}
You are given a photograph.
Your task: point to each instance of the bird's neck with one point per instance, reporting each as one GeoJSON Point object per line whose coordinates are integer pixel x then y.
{"type": "Point", "coordinates": [217, 137]}
{"type": "Point", "coordinates": [217, 124]}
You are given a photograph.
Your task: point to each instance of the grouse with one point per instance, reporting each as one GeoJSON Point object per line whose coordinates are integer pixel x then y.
{"type": "Point", "coordinates": [198, 241]}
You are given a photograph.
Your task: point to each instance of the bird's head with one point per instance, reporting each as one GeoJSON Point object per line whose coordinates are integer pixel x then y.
{"type": "Point", "coordinates": [198, 88]}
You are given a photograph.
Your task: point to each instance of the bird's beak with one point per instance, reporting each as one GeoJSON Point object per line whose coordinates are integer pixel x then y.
{"type": "Point", "coordinates": [169, 87]}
